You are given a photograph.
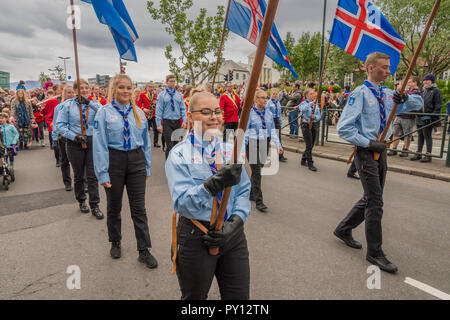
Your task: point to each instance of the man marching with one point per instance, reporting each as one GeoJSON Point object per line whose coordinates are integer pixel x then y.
{"type": "Point", "coordinates": [361, 124]}
{"type": "Point", "coordinates": [147, 103]}
{"type": "Point", "coordinates": [170, 108]}
{"type": "Point", "coordinates": [96, 96]}
{"type": "Point", "coordinates": [229, 103]}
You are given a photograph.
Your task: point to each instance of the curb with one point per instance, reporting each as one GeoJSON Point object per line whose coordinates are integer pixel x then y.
{"type": "Point", "coordinates": [394, 168]}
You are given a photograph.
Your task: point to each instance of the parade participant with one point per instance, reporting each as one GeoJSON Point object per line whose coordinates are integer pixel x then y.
{"type": "Point", "coordinates": [22, 112]}
{"type": "Point", "coordinates": [274, 105]}
{"type": "Point", "coordinates": [293, 102]}
{"type": "Point", "coordinates": [48, 113]}
{"type": "Point", "coordinates": [38, 132]}
{"type": "Point", "coordinates": [60, 142]}
{"type": "Point", "coordinates": [81, 159]}
{"type": "Point", "coordinates": [48, 84]}
{"type": "Point", "coordinates": [194, 179]}
{"type": "Point", "coordinates": [309, 134]}
{"type": "Point", "coordinates": [96, 96]}
{"type": "Point", "coordinates": [10, 137]}
{"type": "Point", "coordinates": [361, 122]}
{"type": "Point", "coordinates": [260, 131]}
{"type": "Point", "coordinates": [21, 85]}
{"type": "Point", "coordinates": [147, 103]}
{"type": "Point", "coordinates": [122, 157]}
{"type": "Point", "coordinates": [230, 103]}
{"type": "Point", "coordinates": [170, 108]}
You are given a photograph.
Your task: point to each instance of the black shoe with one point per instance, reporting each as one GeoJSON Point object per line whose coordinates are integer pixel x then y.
{"type": "Point", "coordinates": [58, 164]}
{"type": "Point", "coordinates": [303, 163]}
{"type": "Point", "coordinates": [416, 157]}
{"type": "Point", "coordinates": [84, 208]}
{"type": "Point", "coordinates": [97, 213]}
{"type": "Point", "coordinates": [283, 159]}
{"type": "Point", "coordinates": [68, 187]}
{"type": "Point", "coordinates": [348, 240]}
{"type": "Point", "coordinates": [115, 251]}
{"type": "Point", "coordinates": [383, 263]}
{"type": "Point", "coordinates": [311, 167]}
{"type": "Point", "coordinates": [426, 159]}
{"type": "Point", "coordinates": [392, 153]}
{"type": "Point", "coordinates": [353, 176]}
{"type": "Point", "coordinates": [146, 258]}
{"type": "Point", "coordinates": [404, 154]}
{"type": "Point", "coordinates": [261, 207]}
{"type": "Point", "coordinates": [157, 146]}
{"type": "Point", "coordinates": [251, 198]}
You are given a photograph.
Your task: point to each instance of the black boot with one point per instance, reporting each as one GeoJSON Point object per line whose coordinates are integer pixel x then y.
{"type": "Point", "coordinates": [97, 213]}
{"type": "Point", "coordinates": [146, 258]}
{"type": "Point", "coordinates": [311, 166]}
{"type": "Point", "coordinates": [348, 239]}
{"type": "Point", "coordinates": [382, 262]}
{"type": "Point", "coordinates": [83, 207]}
{"type": "Point", "coordinates": [115, 251]}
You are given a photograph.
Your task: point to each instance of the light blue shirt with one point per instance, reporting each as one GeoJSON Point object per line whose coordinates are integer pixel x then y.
{"type": "Point", "coordinates": [360, 122]}
{"type": "Point", "coordinates": [108, 133]}
{"type": "Point", "coordinates": [255, 129]}
{"type": "Point", "coordinates": [275, 108]}
{"type": "Point", "coordinates": [185, 177]}
{"type": "Point", "coordinates": [10, 135]}
{"type": "Point", "coordinates": [68, 122]}
{"type": "Point", "coordinates": [55, 133]}
{"type": "Point", "coordinates": [164, 108]}
{"type": "Point", "coordinates": [306, 108]}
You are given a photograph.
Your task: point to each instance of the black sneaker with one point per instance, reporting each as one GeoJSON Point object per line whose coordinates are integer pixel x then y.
{"type": "Point", "coordinates": [115, 251]}
{"type": "Point", "coordinates": [311, 167]}
{"type": "Point", "coordinates": [156, 146]}
{"type": "Point", "coordinates": [261, 207]}
{"type": "Point", "coordinates": [416, 157]}
{"type": "Point", "coordinates": [348, 239]}
{"type": "Point", "coordinates": [353, 176]}
{"type": "Point", "coordinates": [84, 208]}
{"type": "Point", "coordinates": [283, 159]}
{"type": "Point", "coordinates": [383, 263]}
{"type": "Point", "coordinates": [58, 164]}
{"type": "Point", "coordinates": [146, 258]}
{"type": "Point", "coordinates": [97, 213]}
{"type": "Point", "coordinates": [68, 187]}
{"type": "Point", "coordinates": [303, 163]}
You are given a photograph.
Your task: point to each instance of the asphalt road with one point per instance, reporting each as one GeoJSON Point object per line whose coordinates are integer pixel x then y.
{"type": "Point", "coordinates": [293, 253]}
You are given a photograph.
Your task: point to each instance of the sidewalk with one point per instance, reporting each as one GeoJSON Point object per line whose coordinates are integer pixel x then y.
{"type": "Point", "coordinates": [334, 151]}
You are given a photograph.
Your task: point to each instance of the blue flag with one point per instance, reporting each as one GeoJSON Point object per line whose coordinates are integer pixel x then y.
{"type": "Point", "coordinates": [246, 18]}
{"type": "Point", "coordinates": [360, 29]}
{"type": "Point", "coordinates": [114, 14]}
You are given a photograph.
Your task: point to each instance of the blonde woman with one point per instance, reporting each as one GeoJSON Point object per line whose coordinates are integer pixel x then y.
{"type": "Point", "coordinates": [122, 157]}
{"type": "Point", "coordinates": [79, 146]}
{"type": "Point", "coordinates": [22, 112]}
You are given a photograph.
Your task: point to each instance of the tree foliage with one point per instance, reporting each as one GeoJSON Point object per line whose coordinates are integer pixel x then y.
{"type": "Point", "coordinates": [197, 39]}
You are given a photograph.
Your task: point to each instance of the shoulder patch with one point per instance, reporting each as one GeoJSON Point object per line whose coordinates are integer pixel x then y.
{"type": "Point", "coordinates": [351, 101]}
{"type": "Point", "coordinates": [95, 124]}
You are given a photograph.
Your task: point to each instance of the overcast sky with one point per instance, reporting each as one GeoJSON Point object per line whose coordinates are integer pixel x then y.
{"type": "Point", "coordinates": [33, 34]}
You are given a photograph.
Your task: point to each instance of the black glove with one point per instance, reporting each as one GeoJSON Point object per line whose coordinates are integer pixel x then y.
{"type": "Point", "coordinates": [81, 139]}
{"type": "Point", "coordinates": [54, 144]}
{"type": "Point", "coordinates": [84, 100]}
{"type": "Point", "coordinates": [400, 98]}
{"type": "Point", "coordinates": [227, 176]}
{"type": "Point", "coordinates": [217, 239]}
{"type": "Point", "coordinates": [376, 146]}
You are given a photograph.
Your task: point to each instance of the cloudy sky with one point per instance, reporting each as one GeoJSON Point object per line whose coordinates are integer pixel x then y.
{"type": "Point", "coordinates": [34, 33]}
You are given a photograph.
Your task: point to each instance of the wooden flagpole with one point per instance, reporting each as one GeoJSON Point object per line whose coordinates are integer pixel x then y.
{"type": "Point", "coordinates": [219, 54]}
{"type": "Point", "coordinates": [320, 86]}
{"type": "Point", "coordinates": [248, 103]}
{"type": "Point", "coordinates": [77, 68]}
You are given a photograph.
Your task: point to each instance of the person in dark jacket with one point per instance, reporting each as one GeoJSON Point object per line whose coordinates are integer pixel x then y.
{"type": "Point", "coordinates": [432, 97]}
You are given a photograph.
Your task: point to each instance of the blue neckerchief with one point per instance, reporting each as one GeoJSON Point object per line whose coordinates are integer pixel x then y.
{"type": "Point", "coordinates": [211, 161]}
{"type": "Point", "coordinates": [24, 119]}
{"type": "Point", "coordinates": [126, 125]}
{"type": "Point", "coordinates": [171, 93]}
{"type": "Point", "coordinates": [380, 98]}
{"type": "Point", "coordinates": [261, 115]}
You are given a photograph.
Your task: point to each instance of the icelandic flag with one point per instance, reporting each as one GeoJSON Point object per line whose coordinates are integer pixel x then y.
{"type": "Point", "coordinates": [360, 29]}
{"type": "Point", "coordinates": [114, 14]}
{"type": "Point", "coordinates": [246, 18]}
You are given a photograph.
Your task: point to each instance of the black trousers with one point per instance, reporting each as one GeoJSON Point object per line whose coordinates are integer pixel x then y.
{"type": "Point", "coordinates": [229, 126]}
{"type": "Point", "coordinates": [127, 168]}
{"type": "Point", "coordinates": [277, 122]}
{"type": "Point", "coordinates": [55, 150]}
{"type": "Point", "coordinates": [82, 161]}
{"type": "Point", "coordinates": [352, 170]}
{"type": "Point", "coordinates": [196, 268]}
{"type": "Point", "coordinates": [152, 124]}
{"type": "Point", "coordinates": [170, 126]}
{"type": "Point", "coordinates": [370, 207]}
{"type": "Point", "coordinates": [309, 135]}
{"type": "Point", "coordinates": [425, 135]}
{"type": "Point", "coordinates": [257, 151]}
{"type": "Point", "coordinates": [64, 161]}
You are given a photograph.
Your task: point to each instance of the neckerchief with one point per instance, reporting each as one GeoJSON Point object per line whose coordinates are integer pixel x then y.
{"type": "Point", "coordinates": [126, 125]}
{"type": "Point", "coordinates": [380, 98]}
{"type": "Point", "coordinates": [171, 93]}
{"type": "Point", "coordinates": [24, 119]}
{"type": "Point", "coordinates": [232, 98]}
{"type": "Point", "coordinates": [276, 108]}
{"type": "Point", "coordinates": [211, 160]}
{"type": "Point", "coordinates": [85, 111]}
{"type": "Point", "coordinates": [150, 98]}
{"type": "Point", "coordinates": [261, 115]}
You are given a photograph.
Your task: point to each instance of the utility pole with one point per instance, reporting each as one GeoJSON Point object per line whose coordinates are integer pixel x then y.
{"type": "Point", "coordinates": [65, 72]}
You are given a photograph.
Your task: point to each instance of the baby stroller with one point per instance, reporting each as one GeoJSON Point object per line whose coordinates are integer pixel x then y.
{"type": "Point", "coordinates": [6, 172]}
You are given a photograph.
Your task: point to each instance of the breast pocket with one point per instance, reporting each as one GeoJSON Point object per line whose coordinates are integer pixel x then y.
{"type": "Point", "coordinates": [200, 173]}
{"type": "Point", "coordinates": [114, 126]}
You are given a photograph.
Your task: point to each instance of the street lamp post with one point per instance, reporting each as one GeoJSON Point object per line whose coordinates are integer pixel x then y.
{"type": "Point", "coordinates": [65, 73]}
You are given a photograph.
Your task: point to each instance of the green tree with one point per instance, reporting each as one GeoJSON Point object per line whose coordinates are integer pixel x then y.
{"type": "Point", "coordinates": [58, 72]}
{"type": "Point", "coordinates": [42, 78]}
{"type": "Point", "coordinates": [289, 43]}
{"type": "Point", "coordinates": [409, 18]}
{"type": "Point", "coordinates": [341, 63]}
{"type": "Point", "coordinates": [198, 40]}
{"type": "Point", "coordinates": [306, 55]}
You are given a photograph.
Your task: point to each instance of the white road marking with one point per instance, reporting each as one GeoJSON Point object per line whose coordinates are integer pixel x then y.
{"type": "Point", "coordinates": [430, 290]}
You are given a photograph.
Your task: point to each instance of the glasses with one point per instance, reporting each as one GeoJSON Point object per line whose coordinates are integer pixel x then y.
{"type": "Point", "coordinates": [208, 112]}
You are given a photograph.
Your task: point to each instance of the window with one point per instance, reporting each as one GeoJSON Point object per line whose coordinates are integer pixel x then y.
{"type": "Point", "coordinates": [237, 76]}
